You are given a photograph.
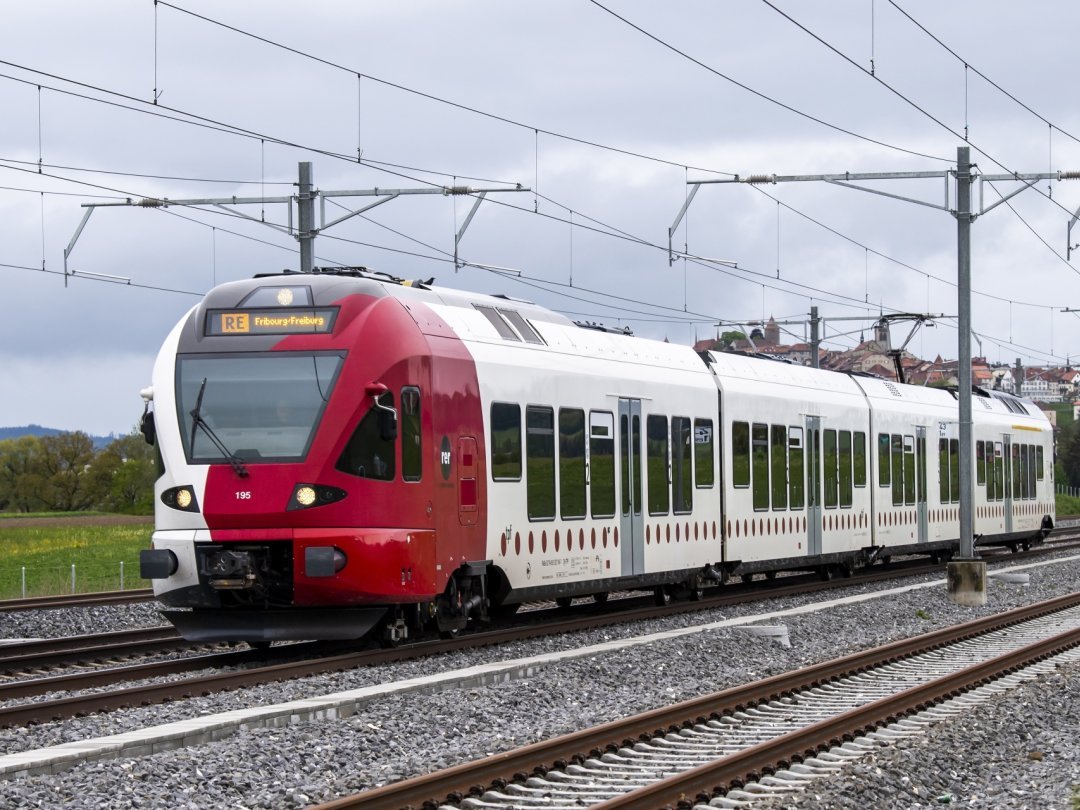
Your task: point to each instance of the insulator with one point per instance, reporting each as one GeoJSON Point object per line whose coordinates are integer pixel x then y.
{"type": "Point", "coordinates": [761, 178]}
{"type": "Point", "coordinates": [1068, 175]}
{"type": "Point", "coordinates": [148, 202]}
{"type": "Point", "coordinates": [457, 190]}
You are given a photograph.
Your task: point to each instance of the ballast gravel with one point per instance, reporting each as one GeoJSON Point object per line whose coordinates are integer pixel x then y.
{"type": "Point", "coordinates": [1017, 751]}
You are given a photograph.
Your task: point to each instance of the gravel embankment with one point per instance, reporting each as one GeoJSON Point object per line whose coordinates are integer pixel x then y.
{"type": "Point", "coordinates": [410, 734]}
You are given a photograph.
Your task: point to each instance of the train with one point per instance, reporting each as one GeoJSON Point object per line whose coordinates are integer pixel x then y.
{"type": "Point", "coordinates": [344, 454]}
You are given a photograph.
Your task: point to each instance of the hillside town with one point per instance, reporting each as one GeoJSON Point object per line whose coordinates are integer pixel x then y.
{"type": "Point", "coordinates": [1044, 385]}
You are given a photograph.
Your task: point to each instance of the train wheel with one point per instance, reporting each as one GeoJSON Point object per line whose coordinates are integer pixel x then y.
{"type": "Point", "coordinates": [826, 573]}
{"type": "Point", "coordinates": [601, 597]}
{"type": "Point", "coordinates": [446, 635]}
{"type": "Point", "coordinates": [747, 579]}
{"type": "Point", "coordinates": [564, 602]}
{"type": "Point", "coordinates": [261, 646]}
{"type": "Point", "coordinates": [770, 575]}
{"type": "Point", "coordinates": [697, 594]}
{"type": "Point", "coordinates": [661, 596]}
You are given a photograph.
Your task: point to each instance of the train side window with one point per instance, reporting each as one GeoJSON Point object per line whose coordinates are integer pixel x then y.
{"type": "Point", "coordinates": [897, 469]}
{"type": "Point", "coordinates": [368, 454]}
{"type": "Point", "coordinates": [980, 462]}
{"type": "Point", "coordinates": [682, 472]}
{"type": "Point", "coordinates": [656, 456]}
{"type": "Point", "coordinates": [412, 457]}
{"type": "Point", "coordinates": [1016, 491]}
{"type": "Point", "coordinates": [779, 467]}
{"type": "Point", "coordinates": [954, 470]}
{"type": "Point", "coordinates": [740, 454]}
{"type": "Point", "coordinates": [1039, 463]}
{"type": "Point", "coordinates": [540, 461]}
{"type": "Point", "coordinates": [602, 463]}
{"type": "Point", "coordinates": [909, 470]}
{"type": "Point", "coordinates": [1029, 470]}
{"type": "Point", "coordinates": [991, 490]}
{"type": "Point", "coordinates": [846, 491]}
{"type": "Point", "coordinates": [859, 458]}
{"type": "Point", "coordinates": [571, 463]}
{"type": "Point", "coordinates": [831, 462]}
{"type": "Point", "coordinates": [505, 441]}
{"type": "Point", "coordinates": [760, 439]}
{"type": "Point", "coordinates": [704, 474]}
{"type": "Point", "coordinates": [884, 463]}
{"type": "Point", "coordinates": [943, 470]}
{"type": "Point", "coordinates": [796, 482]}
{"type": "Point", "coordinates": [999, 471]}
{"type": "Point", "coordinates": [920, 463]}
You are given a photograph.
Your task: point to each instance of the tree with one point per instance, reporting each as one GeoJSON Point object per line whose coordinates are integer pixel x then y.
{"type": "Point", "coordinates": [60, 472]}
{"type": "Point", "coordinates": [121, 477]}
{"type": "Point", "coordinates": [18, 483]}
{"type": "Point", "coordinates": [729, 339]}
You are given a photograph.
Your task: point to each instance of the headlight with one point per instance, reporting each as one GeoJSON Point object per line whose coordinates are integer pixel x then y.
{"type": "Point", "coordinates": [306, 496]}
{"type": "Point", "coordinates": [182, 498]}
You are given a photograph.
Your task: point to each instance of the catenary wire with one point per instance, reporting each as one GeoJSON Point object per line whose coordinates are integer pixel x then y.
{"type": "Point", "coordinates": [742, 86]}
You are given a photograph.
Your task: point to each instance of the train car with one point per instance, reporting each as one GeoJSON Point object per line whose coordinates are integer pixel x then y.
{"type": "Point", "coordinates": [345, 454]}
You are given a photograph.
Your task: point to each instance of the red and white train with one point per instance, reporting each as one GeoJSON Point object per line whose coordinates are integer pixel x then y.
{"type": "Point", "coordinates": [346, 454]}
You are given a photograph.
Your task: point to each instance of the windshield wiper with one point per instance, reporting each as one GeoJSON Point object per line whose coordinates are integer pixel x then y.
{"type": "Point", "coordinates": [197, 421]}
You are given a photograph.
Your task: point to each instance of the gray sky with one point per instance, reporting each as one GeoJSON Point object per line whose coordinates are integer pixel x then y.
{"type": "Point", "coordinates": [75, 357]}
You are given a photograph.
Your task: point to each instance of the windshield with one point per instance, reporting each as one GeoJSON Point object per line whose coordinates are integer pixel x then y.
{"type": "Point", "coordinates": [261, 407]}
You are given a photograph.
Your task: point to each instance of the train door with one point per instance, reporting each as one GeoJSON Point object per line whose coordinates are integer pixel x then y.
{"type": "Point", "coordinates": [632, 525]}
{"type": "Point", "coordinates": [813, 484]}
{"type": "Point", "coordinates": [920, 484]}
{"type": "Point", "coordinates": [466, 480]}
{"type": "Point", "coordinates": [1008, 460]}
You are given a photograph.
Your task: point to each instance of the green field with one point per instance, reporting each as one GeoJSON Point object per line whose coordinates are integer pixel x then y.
{"type": "Point", "coordinates": [44, 556]}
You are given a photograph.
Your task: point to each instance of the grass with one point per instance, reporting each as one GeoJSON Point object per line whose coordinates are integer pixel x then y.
{"type": "Point", "coordinates": [48, 552]}
{"type": "Point", "coordinates": [1067, 505]}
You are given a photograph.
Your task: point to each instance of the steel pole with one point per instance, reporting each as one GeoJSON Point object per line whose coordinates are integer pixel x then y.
{"type": "Point", "coordinates": [305, 205]}
{"type": "Point", "coordinates": [963, 292]}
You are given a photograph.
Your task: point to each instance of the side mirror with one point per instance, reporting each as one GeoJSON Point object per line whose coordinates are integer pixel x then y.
{"type": "Point", "coordinates": [388, 427]}
{"type": "Point", "coordinates": [148, 427]}
{"type": "Point", "coordinates": [388, 418]}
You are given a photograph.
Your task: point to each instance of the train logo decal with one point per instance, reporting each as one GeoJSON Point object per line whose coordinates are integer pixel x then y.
{"type": "Point", "coordinates": [444, 458]}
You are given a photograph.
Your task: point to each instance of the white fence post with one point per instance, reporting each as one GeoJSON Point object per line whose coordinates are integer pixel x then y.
{"type": "Point", "coordinates": [73, 577]}
{"type": "Point", "coordinates": [121, 575]}
{"type": "Point", "coordinates": [24, 582]}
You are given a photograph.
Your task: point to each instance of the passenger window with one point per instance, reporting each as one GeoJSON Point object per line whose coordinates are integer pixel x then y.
{"type": "Point", "coordinates": [884, 461]}
{"type": "Point", "coordinates": [859, 459]}
{"type": "Point", "coordinates": [779, 470]}
{"type": "Point", "coordinates": [740, 454]}
{"type": "Point", "coordinates": [703, 452]}
{"type": "Point", "coordinates": [829, 457]}
{"type": "Point", "coordinates": [505, 442]}
{"type": "Point", "coordinates": [602, 463]}
{"type": "Point", "coordinates": [980, 462]}
{"type": "Point", "coordinates": [954, 470]}
{"type": "Point", "coordinates": [540, 462]}
{"type": "Point", "coordinates": [412, 457]}
{"type": "Point", "coordinates": [682, 473]}
{"type": "Point", "coordinates": [656, 455]}
{"type": "Point", "coordinates": [571, 463]}
{"type": "Point", "coordinates": [368, 454]}
{"type": "Point", "coordinates": [1039, 461]}
{"type": "Point", "coordinates": [897, 453]}
{"type": "Point", "coordinates": [761, 467]}
{"type": "Point", "coordinates": [909, 470]}
{"type": "Point", "coordinates": [846, 491]}
{"type": "Point", "coordinates": [796, 482]}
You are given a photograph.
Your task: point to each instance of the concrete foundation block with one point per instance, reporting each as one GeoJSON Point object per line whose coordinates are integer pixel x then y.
{"type": "Point", "coordinates": [967, 582]}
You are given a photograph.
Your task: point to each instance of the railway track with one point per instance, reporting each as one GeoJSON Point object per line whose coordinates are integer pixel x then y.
{"type": "Point", "coordinates": [780, 731]}
{"type": "Point", "coordinates": [252, 667]}
{"type": "Point", "coordinates": [78, 600]}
